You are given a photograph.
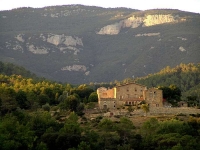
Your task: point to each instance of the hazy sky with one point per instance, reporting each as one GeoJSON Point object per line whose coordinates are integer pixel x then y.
{"type": "Point", "coordinates": [186, 5]}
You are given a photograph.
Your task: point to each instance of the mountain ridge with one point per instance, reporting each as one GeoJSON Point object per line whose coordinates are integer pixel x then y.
{"type": "Point", "coordinates": [62, 42]}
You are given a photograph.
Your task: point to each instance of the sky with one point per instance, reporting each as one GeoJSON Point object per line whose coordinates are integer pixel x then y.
{"type": "Point", "coordinates": [185, 5]}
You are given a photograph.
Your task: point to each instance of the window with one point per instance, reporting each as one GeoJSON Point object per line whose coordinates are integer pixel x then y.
{"type": "Point", "coordinates": [128, 95]}
{"type": "Point", "coordinates": [127, 89]}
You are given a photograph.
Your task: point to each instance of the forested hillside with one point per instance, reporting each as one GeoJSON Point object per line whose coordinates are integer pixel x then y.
{"type": "Point", "coordinates": [185, 76]}
{"type": "Point", "coordinates": [46, 115]}
{"type": "Point", "coordinates": [10, 69]}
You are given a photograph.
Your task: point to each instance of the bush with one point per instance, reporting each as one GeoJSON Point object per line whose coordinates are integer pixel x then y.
{"type": "Point", "coordinates": [46, 107]}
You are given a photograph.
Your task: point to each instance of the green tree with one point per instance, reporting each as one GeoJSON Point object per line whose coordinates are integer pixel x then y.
{"type": "Point", "coordinates": [22, 100]}
{"type": "Point", "coordinates": [93, 97]}
{"type": "Point", "coordinates": [83, 91]}
{"type": "Point", "coordinates": [192, 100]}
{"type": "Point", "coordinates": [0, 103]}
{"type": "Point", "coordinates": [172, 94]}
{"type": "Point", "coordinates": [84, 146]}
{"type": "Point", "coordinates": [175, 92]}
{"type": "Point", "coordinates": [91, 138]}
{"type": "Point", "coordinates": [14, 135]}
{"type": "Point", "coordinates": [107, 125]}
{"type": "Point", "coordinates": [63, 96]}
{"type": "Point", "coordinates": [43, 99]}
{"type": "Point", "coordinates": [80, 109]}
{"type": "Point", "coordinates": [41, 122]}
{"type": "Point", "coordinates": [145, 108]}
{"type": "Point", "coordinates": [150, 127]}
{"type": "Point", "coordinates": [125, 130]}
{"type": "Point", "coordinates": [70, 134]}
{"type": "Point", "coordinates": [72, 102]}
{"type": "Point", "coordinates": [8, 100]}
{"type": "Point", "coordinates": [46, 107]}
{"type": "Point", "coordinates": [109, 140]}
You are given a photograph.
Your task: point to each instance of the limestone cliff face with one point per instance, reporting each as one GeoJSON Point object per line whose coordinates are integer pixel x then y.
{"type": "Point", "coordinates": [19, 37]}
{"type": "Point", "coordinates": [148, 34]}
{"type": "Point", "coordinates": [55, 39]}
{"type": "Point", "coordinates": [151, 20]}
{"type": "Point", "coordinates": [134, 22]}
{"type": "Point", "coordinates": [111, 29]}
{"type": "Point", "coordinates": [75, 68]}
{"type": "Point", "coordinates": [62, 39]}
{"type": "Point", "coordinates": [37, 50]}
{"type": "Point", "coordinates": [61, 43]}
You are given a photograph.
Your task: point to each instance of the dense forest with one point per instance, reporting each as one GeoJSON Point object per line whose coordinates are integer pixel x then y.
{"type": "Point", "coordinates": [10, 69]}
{"type": "Point", "coordinates": [40, 131]}
{"type": "Point", "coordinates": [38, 114]}
{"type": "Point", "coordinates": [184, 76]}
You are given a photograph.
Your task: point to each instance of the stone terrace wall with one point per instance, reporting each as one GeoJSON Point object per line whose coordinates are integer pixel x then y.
{"type": "Point", "coordinates": [166, 111]}
{"type": "Point", "coordinates": [172, 110]}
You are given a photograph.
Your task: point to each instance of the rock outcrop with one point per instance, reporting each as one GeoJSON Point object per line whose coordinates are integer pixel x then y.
{"type": "Point", "coordinates": [62, 39]}
{"type": "Point", "coordinates": [19, 37]}
{"type": "Point", "coordinates": [148, 34]}
{"type": "Point", "coordinates": [61, 43]}
{"type": "Point", "coordinates": [37, 50]}
{"type": "Point", "coordinates": [134, 22]}
{"type": "Point", "coordinates": [111, 29]}
{"type": "Point", "coordinates": [182, 49]}
{"type": "Point", "coordinates": [74, 68]}
{"type": "Point", "coordinates": [151, 20]}
{"type": "Point", "coordinates": [182, 38]}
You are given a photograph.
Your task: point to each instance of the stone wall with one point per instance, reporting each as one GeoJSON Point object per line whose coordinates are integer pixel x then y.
{"type": "Point", "coordinates": [161, 111]}
{"type": "Point", "coordinates": [108, 103]}
{"type": "Point", "coordinates": [106, 93]}
{"type": "Point", "coordinates": [154, 97]}
{"type": "Point", "coordinates": [130, 91]}
{"type": "Point", "coordinates": [172, 110]}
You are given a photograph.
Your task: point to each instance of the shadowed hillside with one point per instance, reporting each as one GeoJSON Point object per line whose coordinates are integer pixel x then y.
{"type": "Point", "coordinates": [82, 44]}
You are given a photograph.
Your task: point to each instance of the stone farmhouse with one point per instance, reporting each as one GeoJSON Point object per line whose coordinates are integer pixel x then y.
{"type": "Point", "coordinates": [128, 94]}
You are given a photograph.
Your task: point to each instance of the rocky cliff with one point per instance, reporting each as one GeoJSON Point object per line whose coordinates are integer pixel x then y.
{"type": "Point", "coordinates": [61, 43]}
{"type": "Point", "coordinates": [134, 22]}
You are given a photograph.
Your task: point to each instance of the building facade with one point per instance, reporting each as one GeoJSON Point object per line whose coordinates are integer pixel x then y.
{"type": "Point", "coordinates": [153, 97]}
{"type": "Point", "coordinates": [128, 94]}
